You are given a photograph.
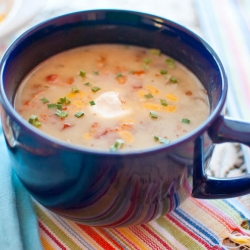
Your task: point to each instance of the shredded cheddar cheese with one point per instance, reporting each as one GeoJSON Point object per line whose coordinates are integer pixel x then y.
{"type": "Point", "coordinates": [172, 97]}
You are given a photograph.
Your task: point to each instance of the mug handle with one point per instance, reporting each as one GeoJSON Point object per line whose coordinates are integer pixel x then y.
{"type": "Point", "coordinates": [205, 187]}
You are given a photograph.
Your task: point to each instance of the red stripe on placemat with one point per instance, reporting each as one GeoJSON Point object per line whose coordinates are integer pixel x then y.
{"type": "Point", "coordinates": [51, 235]}
{"type": "Point", "coordinates": [110, 238]}
{"type": "Point", "coordinates": [156, 237]}
{"type": "Point", "coordinates": [96, 237]}
{"type": "Point", "coordinates": [185, 229]}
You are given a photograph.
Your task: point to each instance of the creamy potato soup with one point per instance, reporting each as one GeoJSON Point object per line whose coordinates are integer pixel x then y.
{"type": "Point", "coordinates": [113, 97]}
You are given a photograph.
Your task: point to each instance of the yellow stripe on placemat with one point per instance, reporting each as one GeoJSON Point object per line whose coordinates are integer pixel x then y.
{"type": "Point", "coordinates": [46, 244]}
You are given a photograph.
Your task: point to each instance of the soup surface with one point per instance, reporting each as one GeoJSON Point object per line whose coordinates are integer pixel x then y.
{"type": "Point", "coordinates": [113, 97]}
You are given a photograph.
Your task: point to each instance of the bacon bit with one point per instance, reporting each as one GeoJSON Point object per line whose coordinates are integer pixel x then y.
{"type": "Point", "coordinates": [95, 125]}
{"type": "Point", "coordinates": [121, 79]}
{"type": "Point", "coordinates": [188, 92]}
{"type": "Point", "coordinates": [70, 80]}
{"type": "Point", "coordinates": [157, 75]}
{"type": "Point", "coordinates": [127, 126]}
{"type": "Point", "coordinates": [66, 125]}
{"type": "Point", "coordinates": [101, 61]}
{"type": "Point", "coordinates": [138, 72]}
{"type": "Point", "coordinates": [52, 78]}
{"type": "Point", "coordinates": [65, 108]}
{"type": "Point", "coordinates": [27, 103]}
{"type": "Point", "coordinates": [137, 87]}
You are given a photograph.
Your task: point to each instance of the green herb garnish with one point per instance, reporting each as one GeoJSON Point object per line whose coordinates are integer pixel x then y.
{"type": "Point", "coordinates": [44, 100]}
{"type": "Point", "coordinates": [61, 113]}
{"type": "Point", "coordinates": [173, 80]}
{"type": "Point", "coordinates": [95, 89]}
{"type": "Point", "coordinates": [92, 103]}
{"type": "Point", "coordinates": [75, 89]}
{"type": "Point", "coordinates": [153, 114]}
{"type": "Point", "coordinates": [163, 72]}
{"type": "Point", "coordinates": [163, 102]}
{"type": "Point", "coordinates": [82, 73]}
{"type": "Point", "coordinates": [161, 139]}
{"type": "Point", "coordinates": [52, 105]}
{"type": "Point", "coordinates": [148, 96]}
{"type": "Point", "coordinates": [185, 120]}
{"type": "Point", "coordinates": [118, 75]}
{"type": "Point", "coordinates": [96, 72]}
{"type": "Point", "coordinates": [170, 62]}
{"type": "Point", "coordinates": [59, 106]}
{"type": "Point", "coordinates": [79, 114]}
{"type": "Point", "coordinates": [117, 145]}
{"type": "Point", "coordinates": [67, 100]}
{"type": "Point", "coordinates": [155, 52]}
{"type": "Point", "coordinates": [34, 121]}
{"type": "Point", "coordinates": [147, 60]}
{"type": "Point", "coordinates": [87, 84]}
{"type": "Point", "coordinates": [64, 100]}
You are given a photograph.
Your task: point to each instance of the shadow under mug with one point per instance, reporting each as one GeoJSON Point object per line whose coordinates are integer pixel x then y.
{"type": "Point", "coordinates": [100, 188]}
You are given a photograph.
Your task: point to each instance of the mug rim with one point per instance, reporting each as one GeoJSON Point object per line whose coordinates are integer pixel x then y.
{"type": "Point", "coordinates": [54, 142]}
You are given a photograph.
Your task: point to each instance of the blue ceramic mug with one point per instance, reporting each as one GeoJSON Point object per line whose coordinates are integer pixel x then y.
{"type": "Point", "coordinates": [100, 188]}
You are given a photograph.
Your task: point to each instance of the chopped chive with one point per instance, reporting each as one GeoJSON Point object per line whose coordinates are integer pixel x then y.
{"type": "Point", "coordinates": [37, 124]}
{"type": "Point", "coordinates": [96, 72]}
{"type": "Point", "coordinates": [153, 114]}
{"type": "Point", "coordinates": [148, 96]}
{"type": "Point", "coordinates": [33, 118]}
{"type": "Point", "coordinates": [82, 73]}
{"type": "Point", "coordinates": [164, 140]}
{"type": "Point", "coordinates": [67, 100]}
{"type": "Point", "coordinates": [34, 121]}
{"type": "Point", "coordinates": [44, 100]}
{"type": "Point", "coordinates": [147, 60]}
{"type": "Point", "coordinates": [61, 113]}
{"type": "Point", "coordinates": [61, 100]}
{"type": "Point", "coordinates": [163, 102]}
{"type": "Point", "coordinates": [52, 105]}
{"type": "Point", "coordinates": [87, 84]}
{"type": "Point", "coordinates": [185, 120]}
{"type": "Point", "coordinates": [95, 89]}
{"type": "Point", "coordinates": [92, 103]}
{"type": "Point", "coordinates": [79, 114]}
{"type": "Point", "coordinates": [118, 75]}
{"type": "Point", "coordinates": [117, 145]}
{"type": "Point", "coordinates": [163, 72]}
{"type": "Point", "coordinates": [55, 105]}
{"type": "Point", "coordinates": [156, 138]}
{"type": "Point", "coordinates": [59, 106]}
{"type": "Point", "coordinates": [170, 63]}
{"type": "Point", "coordinates": [75, 89]}
{"type": "Point", "coordinates": [161, 139]}
{"type": "Point", "coordinates": [173, 80]}
{"type": "Point", "coordinates": [155, 52]}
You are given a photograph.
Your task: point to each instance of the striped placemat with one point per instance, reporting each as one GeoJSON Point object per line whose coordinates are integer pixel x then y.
{"type": "Point", "coordinates": [196, 224]}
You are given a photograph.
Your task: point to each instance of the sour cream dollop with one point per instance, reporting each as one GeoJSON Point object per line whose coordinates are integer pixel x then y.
{"type": "Point", "coordinates": [108, 105]}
